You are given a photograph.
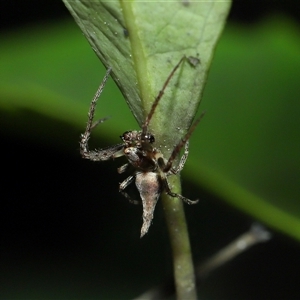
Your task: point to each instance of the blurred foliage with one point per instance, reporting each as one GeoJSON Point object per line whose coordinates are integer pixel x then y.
{"type": "Point", "coordinates": [246, 149]}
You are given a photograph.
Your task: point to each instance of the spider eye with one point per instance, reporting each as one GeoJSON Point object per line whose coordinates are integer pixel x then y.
{"type": "Point", "coordinates": [126, 136]}
{"type": "Point", "coordinates": [150, 138]}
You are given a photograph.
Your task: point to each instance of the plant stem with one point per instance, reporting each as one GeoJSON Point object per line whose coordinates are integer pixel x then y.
{"type": "Point", "coordinates": [184, 275]}
{"type": "Point", "coordinates": [256, 234]}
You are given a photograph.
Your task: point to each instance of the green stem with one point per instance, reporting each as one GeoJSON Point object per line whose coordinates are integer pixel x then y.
{"type": "Point", "coordinates": [137, 52]}
{"type": "Point", "coordinates": [184, 275]}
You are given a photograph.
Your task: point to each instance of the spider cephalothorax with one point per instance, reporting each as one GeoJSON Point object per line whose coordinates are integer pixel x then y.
{"type": "Point", "coordinates": [151, 168]}
{"type": "Point", "coordinates": [137, 138]}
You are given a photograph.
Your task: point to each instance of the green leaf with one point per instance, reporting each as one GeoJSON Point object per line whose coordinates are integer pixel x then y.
{"type": "Point", "coordinates": [142, 41]}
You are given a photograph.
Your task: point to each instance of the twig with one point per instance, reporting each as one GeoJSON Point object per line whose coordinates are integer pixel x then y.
{"type": "Point", "coordinates": [256, 234]}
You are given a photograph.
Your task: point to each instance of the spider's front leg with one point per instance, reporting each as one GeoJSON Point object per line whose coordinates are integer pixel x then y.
{"type": "Point", "coordinates": [102, 154]}
{"type": "Point", "coordinates": [97, 155]}
{"type": "Point", "coordinates": [110, 152]}
{"type": "Point", "coordinates": [90, 125]}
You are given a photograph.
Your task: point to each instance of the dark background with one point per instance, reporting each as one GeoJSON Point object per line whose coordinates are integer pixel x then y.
{"type": "Point", "coordinates": [58, 242]}
{"type": "Point", "coordinates": [16, 14]}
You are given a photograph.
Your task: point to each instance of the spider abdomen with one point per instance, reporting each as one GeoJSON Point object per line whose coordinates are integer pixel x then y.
{"type": "Point", "coordinates": [149, 187]}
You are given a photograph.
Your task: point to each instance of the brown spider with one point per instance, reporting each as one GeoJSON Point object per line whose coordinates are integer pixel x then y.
{"type": "Point", "coordinates": [151, 168]}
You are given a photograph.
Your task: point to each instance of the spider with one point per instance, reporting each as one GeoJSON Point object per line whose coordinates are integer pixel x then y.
{"type": "Point", "coordinates": [151, 169]}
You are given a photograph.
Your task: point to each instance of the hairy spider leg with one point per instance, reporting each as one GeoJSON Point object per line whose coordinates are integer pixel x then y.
{"type": "Point", "coordinates": [123, 186]}
{"type": "Point", "coordinates": [90, 125]}
{"type": "Point", "coordinates": [181, 143]}
{"type": "Point", "coordinates": [102, 154]}
{"type": "Point", "coordinates": [174, 171]}
{"type": "Point", "coordinates": [164, 179]}
{"type": "Point", "coordinates": [123, 168]}
{"type": "Point", "coordinates": [175, 195]}
{"type": "Point", "coordinates": [159, 96]}
{"type": "Point", "coordinates": [95, 124]}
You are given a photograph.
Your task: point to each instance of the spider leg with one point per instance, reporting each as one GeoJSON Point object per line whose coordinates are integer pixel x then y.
{"type": "Point", "coordinates": [91, 113]}
{"type": "Point", "coordinates": [110, 152]}
{"type": "Point", "coordinates": [182, 161]}
{"type": "Point", "coordinates": [175, 195]}
{"type": "Point", "coordinates": [123, 168]}
{"type": "Point", "coordinates": [159, 96]}
{"type": "Point", "coordinates": [102, 154]}
{"type": "Point", "coordinates": [123, 186]}
{"type": "Point", "coordinates": [181, 143]}
{"type": "Point", "coordinates": [166, 184]}
{"type": "Point", "coordinates": [98, 122]}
